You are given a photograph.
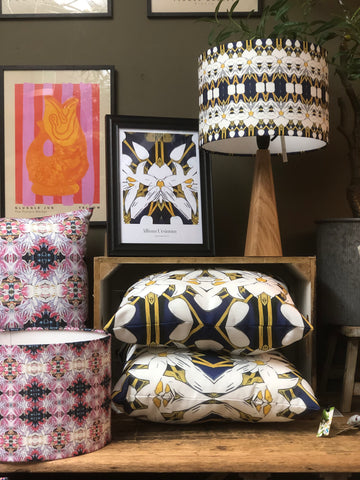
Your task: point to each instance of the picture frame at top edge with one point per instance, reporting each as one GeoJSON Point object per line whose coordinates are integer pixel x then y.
{"type": "Point", "coordinates": [159, 188]}
{"type": "Point", "coordinates": [33, 148]}
{"type": "Point", "coordinates": [55, 9]}
{"type": "Point", "coordinates": [200, 8]}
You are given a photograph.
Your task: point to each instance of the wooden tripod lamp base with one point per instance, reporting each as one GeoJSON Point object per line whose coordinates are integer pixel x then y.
{"type": "Point", "coordinates": [263, 232]}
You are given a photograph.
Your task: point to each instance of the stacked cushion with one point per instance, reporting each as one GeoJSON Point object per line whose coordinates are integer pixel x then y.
{"type": "Point", "coordinates": [173, 385]}
{"type": "Point", "coordinates": [202, 347]}
{"type": "Point", "coordinates": [43, 275]}
{"type": "Point", "coordinates": [215, 309]}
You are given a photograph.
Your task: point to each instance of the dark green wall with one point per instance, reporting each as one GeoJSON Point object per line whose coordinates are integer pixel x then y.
{"type": "Point", "coordinates": [156, 64]}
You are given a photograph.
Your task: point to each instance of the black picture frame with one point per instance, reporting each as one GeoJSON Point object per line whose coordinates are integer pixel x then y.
{"type": "Point", "coordinates": [95, 86]}
{"type": "Point", "coordinates": [138, 150]}
{"type": "Point", "coordinates": [200, 8]}
{"type": "Point", "coordinates": [4, 13]}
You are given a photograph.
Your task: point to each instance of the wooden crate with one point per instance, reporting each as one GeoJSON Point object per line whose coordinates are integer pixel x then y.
{"type": "Point", "coordinates": [119, 273]}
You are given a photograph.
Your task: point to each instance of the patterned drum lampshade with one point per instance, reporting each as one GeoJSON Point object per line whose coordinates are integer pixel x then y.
{"type": "Point", "coordinates": [55, 389]}
{"type": "Point", "coordinates": [263, 94]}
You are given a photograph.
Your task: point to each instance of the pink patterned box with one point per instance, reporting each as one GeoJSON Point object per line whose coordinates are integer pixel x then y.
{"type": "Point", "coordinates": [55, 389]}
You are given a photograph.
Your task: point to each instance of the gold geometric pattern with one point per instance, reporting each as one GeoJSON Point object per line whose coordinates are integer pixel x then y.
{"type": "Point", "coordinates": [184, 386]}
{"type": "Point", "coordinates": [209, 309]}
{"type": "Point", "coordinates": [264, 87]}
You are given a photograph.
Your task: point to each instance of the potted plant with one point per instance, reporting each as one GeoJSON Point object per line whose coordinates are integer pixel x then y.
{"type": "Point", "coordinates": [342, 28]}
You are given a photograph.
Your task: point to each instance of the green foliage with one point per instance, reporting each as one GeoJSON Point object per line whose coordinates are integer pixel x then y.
{"type": "Point", "coordinates": [348, 54]}
{"type": "Point", "coordinates": [276, 21]}
{"type": "Point", "coordinates": [273, 22]}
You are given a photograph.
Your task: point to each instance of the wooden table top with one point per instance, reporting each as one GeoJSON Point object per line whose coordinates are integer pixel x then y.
{"type": "Point", "coordinates": [214, 447]}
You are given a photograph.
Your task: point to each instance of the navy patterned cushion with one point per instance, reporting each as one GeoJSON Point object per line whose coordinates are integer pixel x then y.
{"type": "Point", "coordinates": [214, 309]}
{"type": "Point", "coordinates": [171, 385]}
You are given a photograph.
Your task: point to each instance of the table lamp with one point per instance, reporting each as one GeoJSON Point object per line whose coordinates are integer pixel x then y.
{"type": "Point", "coordinates": [263, 96]}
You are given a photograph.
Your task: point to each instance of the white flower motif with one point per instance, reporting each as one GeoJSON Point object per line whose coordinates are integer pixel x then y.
{"type": "Point", "coordinates": [257, 283]}
{"type": "Point", "coordinates": [157, 284]}
{"type": "Point", "coordinates": [130, 184]}
{"type": "Point", "coordinates": [161, 182]}
{"type": "Point", "coordinates": [162, 395]}
{"type": "Point", "coordinates": [262, 395]}
{"type": "Point", "coordinates": [159, 393]}
{"type": "Point", "coordinates": [309, 65]}
{"type": "Point", "coordinates": [309, 116]}
{"type": "Point", "coordinates": [208, 287]}
{"type": "Point", "coordinates": [249, 63]}
{"type": "Point", "coordinates": [223, 67]}
{"type": "Point", "coordinates": [225, 114]}
{"type": "Point", "coordinates": [204, 73]}
{"type": "Point", "coordinates": [277, 62]}
{"type": "Point", "coordinates": [283, 113]}
{"type": "Point", "coordinates": [154, 285]}
{"type": "Point", "coordinates": [251, 113]}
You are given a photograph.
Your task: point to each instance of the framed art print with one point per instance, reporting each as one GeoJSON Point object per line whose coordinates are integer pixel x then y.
{"type": "Point", "coordinates": [200, 8]}
{"type": "Point", "coordinates": [55, 8]}
{"type": "Point", "coordinates": [54, 139]}
{"type": "Point", "coordinates": [159, 188]}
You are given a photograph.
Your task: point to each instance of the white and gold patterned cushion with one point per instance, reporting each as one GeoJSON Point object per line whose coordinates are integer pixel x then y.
{"type": "Point", "coordinates": [227, 310]}
{"type": "Point", "coordinates": [171, 385]}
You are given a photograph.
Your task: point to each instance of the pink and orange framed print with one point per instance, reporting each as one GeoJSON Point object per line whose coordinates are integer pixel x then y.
{"type": "Point", "coordinates": [54, 139]}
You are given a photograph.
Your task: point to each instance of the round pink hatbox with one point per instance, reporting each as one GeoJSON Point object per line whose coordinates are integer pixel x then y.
{"type": "Point", "coordinates": [55, 388]}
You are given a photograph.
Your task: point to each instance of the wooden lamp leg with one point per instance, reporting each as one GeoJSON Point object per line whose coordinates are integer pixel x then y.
{"type": "Point", "coordinates": [263, 232]}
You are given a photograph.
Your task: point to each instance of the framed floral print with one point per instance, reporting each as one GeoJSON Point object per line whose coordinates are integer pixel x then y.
{"type": "Point", "coordinates": [54, 139]}
{"type": "Point", "coordinates": [55, 8]}
{"type": "Point", "coordinates": [159, 188]}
